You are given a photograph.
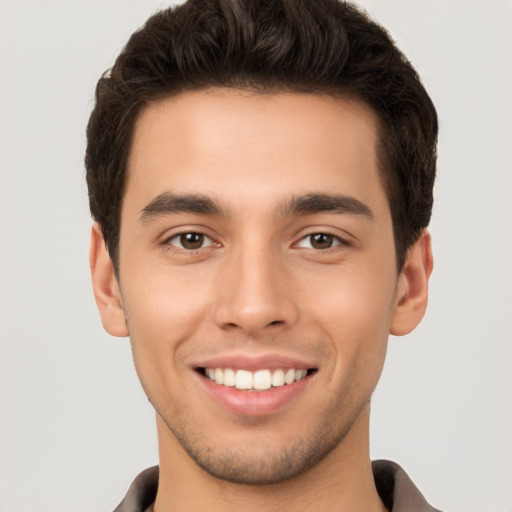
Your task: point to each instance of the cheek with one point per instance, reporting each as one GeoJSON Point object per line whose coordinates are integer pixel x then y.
{"type": "Point", "coordinates": [352, 297]}
{"type": "Point", "coordinates": [353, 309]}
{"type": "Point", "coordinates": [164, 307]}
{"type": "Point", "coordinates": [162, 296]}
{"type": "Point", "coordinates": [358, 340]}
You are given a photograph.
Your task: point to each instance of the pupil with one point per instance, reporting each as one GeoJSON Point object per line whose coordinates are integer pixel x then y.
{"type": "Point", "coordinates": [192, 240]}
{"type": "Point", "coordinates": [321, 241]}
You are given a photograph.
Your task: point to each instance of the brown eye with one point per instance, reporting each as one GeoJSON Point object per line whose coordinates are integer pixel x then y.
{"type": "Point", "coordinates": [190, 241]}
{"type": "Point", "coordinates": [319, 241]}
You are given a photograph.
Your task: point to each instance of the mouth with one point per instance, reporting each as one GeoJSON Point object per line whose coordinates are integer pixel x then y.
{"type": "Point", "coordinates": [259, 380]}
{"type": "Point", "coordinates": [259, 385]}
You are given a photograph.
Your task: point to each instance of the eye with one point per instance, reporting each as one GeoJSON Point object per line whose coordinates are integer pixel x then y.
{"type": "Point", "coordinates": [319, 241]}
{"type": "Point", "coordinates": [190, 241]}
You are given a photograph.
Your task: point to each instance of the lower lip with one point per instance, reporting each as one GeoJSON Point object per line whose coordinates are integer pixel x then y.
{"type": "Point", "coordinates": [254, 403]}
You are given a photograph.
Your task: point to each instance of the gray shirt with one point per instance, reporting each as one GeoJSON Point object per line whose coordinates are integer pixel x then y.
{"type": "Point", "coordinates": [395, 488]}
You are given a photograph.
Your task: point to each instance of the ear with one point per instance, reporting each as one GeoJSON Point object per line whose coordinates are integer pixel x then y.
{"type": "Point", "coordinates": [105, 285]}
{"type": "Point", "coordinates": [412, 287]}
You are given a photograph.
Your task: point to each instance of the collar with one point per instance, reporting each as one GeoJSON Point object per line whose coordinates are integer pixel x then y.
{"type": "Point", "coordinates": [395, 488]}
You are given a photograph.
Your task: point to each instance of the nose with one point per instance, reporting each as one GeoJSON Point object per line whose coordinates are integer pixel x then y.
{"type": "Point", "coordinates": [256, 293]}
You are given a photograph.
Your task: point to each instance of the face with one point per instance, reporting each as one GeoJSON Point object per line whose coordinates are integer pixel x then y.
{"type": "Point", "coordinates": [257, 277]}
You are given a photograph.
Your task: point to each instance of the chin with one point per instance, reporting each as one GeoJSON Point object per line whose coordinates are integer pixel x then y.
{"type": "Point", "coordinates": [255, 459]}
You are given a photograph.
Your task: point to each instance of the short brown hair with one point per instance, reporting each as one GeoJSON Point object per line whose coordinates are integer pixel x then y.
{"type": "Point", "coordinates": [318, 47]}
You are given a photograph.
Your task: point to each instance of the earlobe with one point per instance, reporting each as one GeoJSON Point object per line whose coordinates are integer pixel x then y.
{"type": "Point", "coordinates": [105, 285]}
{"type": "Point", "coordinates": [412, 288]}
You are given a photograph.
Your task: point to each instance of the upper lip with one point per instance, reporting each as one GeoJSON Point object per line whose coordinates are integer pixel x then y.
{"type": "Point", "coordinates": [255, 362]}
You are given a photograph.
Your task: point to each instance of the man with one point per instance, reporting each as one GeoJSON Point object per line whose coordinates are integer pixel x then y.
{"type": "Point", "coordinates": [260, 175]}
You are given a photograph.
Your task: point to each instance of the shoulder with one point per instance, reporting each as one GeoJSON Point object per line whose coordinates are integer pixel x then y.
{"type": "Point", "coordinates": [396, 489]}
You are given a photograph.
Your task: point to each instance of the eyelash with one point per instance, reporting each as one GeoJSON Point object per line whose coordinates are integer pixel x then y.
{"type": "Point", "coordinates": [169, 245]}
{"type": "Point", "coordinates": [337, 240]}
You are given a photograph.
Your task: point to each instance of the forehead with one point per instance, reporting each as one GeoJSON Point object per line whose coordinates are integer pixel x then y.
{"type": "Point", "coordinates": [218, 141]}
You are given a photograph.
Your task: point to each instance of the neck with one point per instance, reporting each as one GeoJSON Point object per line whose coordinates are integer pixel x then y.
{"type": "Point", "coordinates": [342, 481]}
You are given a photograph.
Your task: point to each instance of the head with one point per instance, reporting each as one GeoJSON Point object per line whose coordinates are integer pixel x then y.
{"type": "Point", "coordinates": [261, 174]}
{"type": "Point", "coordinates": [324, 47]}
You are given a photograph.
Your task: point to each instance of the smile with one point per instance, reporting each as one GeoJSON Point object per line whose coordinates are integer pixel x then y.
{"type": "Point", "coordinates": [259, 380]}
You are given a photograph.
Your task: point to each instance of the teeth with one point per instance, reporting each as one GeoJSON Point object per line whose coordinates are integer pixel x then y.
{"type": "Point", "coordinates": [259, 380]}
{"type": "Point", "coordinates": [243, 379]}
{"type": "Point", "coordinates": [219, 376]}
{"type": "Point", "coordinates": [262, 379]}
{"type": "Point", "coordinates": [278, 378]}
{"type": "Point", "coordinates": [229, 377]}
{"type": "Point", "coordinates": [289, 376]}
{"type": "Point", "coordinates": [300, 374]}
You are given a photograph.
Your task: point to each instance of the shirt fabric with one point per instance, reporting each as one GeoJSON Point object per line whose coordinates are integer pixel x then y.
{"type": "Point", "coordinates": [395, 489]}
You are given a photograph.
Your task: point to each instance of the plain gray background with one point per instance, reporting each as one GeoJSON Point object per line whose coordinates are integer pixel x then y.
{"type": "Point", "coordinates": [75, 426]}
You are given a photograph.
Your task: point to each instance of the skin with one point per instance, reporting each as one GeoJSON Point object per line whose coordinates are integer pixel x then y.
{"type": "Point", "coordinates": [257, 287]}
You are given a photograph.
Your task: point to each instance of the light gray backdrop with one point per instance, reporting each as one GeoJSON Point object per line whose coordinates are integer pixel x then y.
{"type": "Point", "coordinates": [75, 427]}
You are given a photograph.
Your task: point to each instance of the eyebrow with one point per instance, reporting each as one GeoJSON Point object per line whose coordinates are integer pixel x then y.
{"type": "Point", "coordinates": [316, 203]}
{"type": "Point", "coordinates": [168, 202]}
{"type": "Point", "coordinates": [308, 204]}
